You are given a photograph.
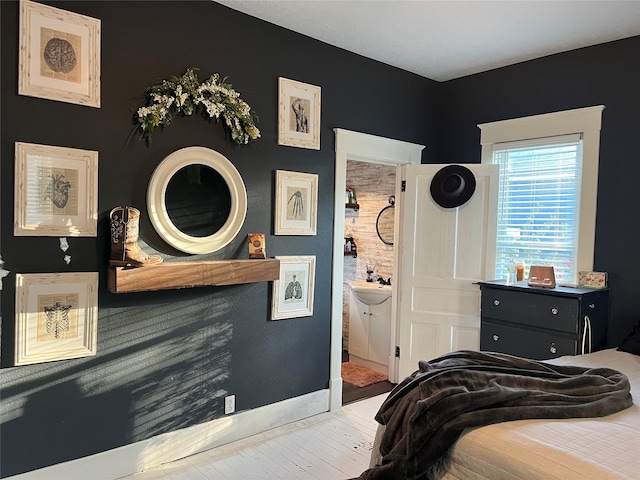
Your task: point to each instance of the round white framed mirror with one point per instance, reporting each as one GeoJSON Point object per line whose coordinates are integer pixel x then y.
{"type": "Point", "coordinates": [197, 200]}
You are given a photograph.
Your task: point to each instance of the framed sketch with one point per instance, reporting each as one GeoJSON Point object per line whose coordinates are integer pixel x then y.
{"type": "Point", "coordinates": [298, 114]}
{"type": "Point", "coordinates": [296, 203]}
{"type": "Point", "coordinates": [293, 292]}
{"type": "Point", "coordinates": [56, 191]}
{"type": "Point", "coordinates": [56, 316]}
{"type": "Point", "coordinates": [59, 55]}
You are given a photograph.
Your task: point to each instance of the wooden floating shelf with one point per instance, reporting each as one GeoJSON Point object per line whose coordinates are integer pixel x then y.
{"type": "Point", "coordinates": [174, 275]}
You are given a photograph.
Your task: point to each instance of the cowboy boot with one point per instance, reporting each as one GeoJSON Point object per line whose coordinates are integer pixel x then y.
{"type": "Point", "coordinates": [124, 240]}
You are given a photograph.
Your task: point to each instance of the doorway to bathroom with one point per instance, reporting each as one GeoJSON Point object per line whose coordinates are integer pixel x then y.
{"type": "Point", "coordinates": [356, 146]}
{"type": "Point", "coordinates": [369, 257]}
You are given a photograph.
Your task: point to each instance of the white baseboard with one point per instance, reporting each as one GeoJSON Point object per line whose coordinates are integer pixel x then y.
{"type": "Point", "coordinates": [172, 446]}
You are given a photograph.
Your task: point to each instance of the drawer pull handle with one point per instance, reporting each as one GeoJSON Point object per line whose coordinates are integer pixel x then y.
{"type": "Point", "coordinates": [496, 302]}
{"type": "Point", "coordinates": [591, 305]}
{"type": "Point", "coordinates": [554, 311]}
{"type": "Point", "coordinates": [496, 338]}
{"type": "Point", "coordinates": [553, 348]}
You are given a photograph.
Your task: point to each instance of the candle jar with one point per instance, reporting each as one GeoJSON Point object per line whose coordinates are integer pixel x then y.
{"type": "Point", "coordinates": [519, 272]}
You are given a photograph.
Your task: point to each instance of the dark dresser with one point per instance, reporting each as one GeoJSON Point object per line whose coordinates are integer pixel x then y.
{"type": "Point", "coordinates": [542, 323]}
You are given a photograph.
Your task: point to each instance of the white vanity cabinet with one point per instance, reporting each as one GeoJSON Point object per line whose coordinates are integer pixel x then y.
{"type": "Point", "coordinates": [369, 334]}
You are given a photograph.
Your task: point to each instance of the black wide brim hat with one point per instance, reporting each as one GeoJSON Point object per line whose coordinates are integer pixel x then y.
{"type": "Point", "coordinates": [453, 186]}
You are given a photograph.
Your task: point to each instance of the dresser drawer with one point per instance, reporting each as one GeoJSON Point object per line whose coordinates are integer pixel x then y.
{"type": "Point", "coordinates": [525, 343]}
{"type": "Point", "coordinates": [538, 310]}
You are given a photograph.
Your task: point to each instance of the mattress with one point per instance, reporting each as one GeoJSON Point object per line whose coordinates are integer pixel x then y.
{"type": "Point", "coordinates": [598, 448]}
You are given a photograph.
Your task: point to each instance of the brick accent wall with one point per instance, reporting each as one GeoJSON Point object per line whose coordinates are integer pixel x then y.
{"type": "Point", "coordinates": [373, 184]}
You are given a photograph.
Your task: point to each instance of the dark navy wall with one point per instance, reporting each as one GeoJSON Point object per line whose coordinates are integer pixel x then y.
{"type": "Point", "coordinates": [166, 359]}
{"type": "Point", "coordinates": [605, 74]}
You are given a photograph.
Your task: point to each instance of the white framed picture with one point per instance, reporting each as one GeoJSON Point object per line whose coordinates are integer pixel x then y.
{"type": "Point", "coordinates": [296, 203]}
{"type": "Point", "coordinates": [56, 316]}
{"type": "Point", "coordinates": [59, 55]}
{"type": "Point", "coordinates": [56, 191]}
{"type": "Point", "coordinates": [294, 290]}
{"type": "Point", "coordinates": [298, 114]}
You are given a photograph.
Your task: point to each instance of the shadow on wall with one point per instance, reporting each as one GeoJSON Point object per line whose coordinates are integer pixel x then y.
{"type": "Point", "coordinates": [68, 415]}
{"type": "Point", "coordinates": [158, 369]}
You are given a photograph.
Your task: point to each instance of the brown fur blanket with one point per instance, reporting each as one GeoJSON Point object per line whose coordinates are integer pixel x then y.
{"type": "Point", "coordinates": [426, 413]}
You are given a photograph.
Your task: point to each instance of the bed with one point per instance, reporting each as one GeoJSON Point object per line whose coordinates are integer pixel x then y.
{"type": "Point", "coordinates": [606, 447]}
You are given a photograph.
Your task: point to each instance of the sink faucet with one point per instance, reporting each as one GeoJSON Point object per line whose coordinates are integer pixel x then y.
{"type": "Point", "coordinates": [382, 281]}
{"type": "Point", "coordinates": [370, 270]}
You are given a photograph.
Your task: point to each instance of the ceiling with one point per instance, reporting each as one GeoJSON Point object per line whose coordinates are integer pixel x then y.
{"type": "Point", "coordinates": [447, 39]}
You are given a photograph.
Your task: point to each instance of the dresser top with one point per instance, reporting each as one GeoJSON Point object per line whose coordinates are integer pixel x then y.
{"type": "Point", "coordinates": [522, 285]}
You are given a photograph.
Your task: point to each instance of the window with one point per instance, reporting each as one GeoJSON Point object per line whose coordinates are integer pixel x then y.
{"type": "Point", "coordinates": [538, 204]}
{"type": "Point", "coordinates": [548, 189]}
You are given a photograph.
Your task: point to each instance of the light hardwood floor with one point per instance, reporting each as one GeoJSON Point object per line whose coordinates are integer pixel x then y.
{"type": "Point", "coordinates": [324, 447]}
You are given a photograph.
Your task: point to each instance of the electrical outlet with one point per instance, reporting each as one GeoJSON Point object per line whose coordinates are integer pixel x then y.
{"type": "Point", "coordinates": [229, 404]}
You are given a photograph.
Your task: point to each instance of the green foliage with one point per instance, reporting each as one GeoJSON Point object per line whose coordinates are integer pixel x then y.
{"type": "Point", "coordinates": [185, 95]}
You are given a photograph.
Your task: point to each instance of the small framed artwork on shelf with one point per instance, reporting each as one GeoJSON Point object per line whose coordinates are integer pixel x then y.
{"type": "Point", "coordinates": [257, 245]}
{"type": "Point", "coordinates": [56, 316]}
{"type": "Point", "coordinates": [298, 114]}
{"type": "Point", "coordinates": [55, 191]}
{"type": "Point", "coordinates": [59, 55]}
{"type": "Point", "coordinates": [294, 290]}
{"type": "Point", "coordinates": [296, 203]}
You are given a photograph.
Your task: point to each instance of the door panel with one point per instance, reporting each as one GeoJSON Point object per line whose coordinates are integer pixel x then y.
{"type": "Point", "coordinates": [358, 328]}
{"type": "Point", "coordinates": [424, 338]}
{"type": "Point", "coordinates": [379, 332]}
{"type": "Point", "coordinates": [443, 252]}
{"type": "Point", "coordinates": [445, 300]}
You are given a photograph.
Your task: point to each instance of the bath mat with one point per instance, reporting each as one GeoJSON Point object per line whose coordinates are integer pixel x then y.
{"type": "Point", "coordinates": [361, 376]}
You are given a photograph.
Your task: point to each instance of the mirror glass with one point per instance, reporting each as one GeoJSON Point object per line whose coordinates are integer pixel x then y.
{"type": "Point", "coordinates": [197, 200]}
{"type": "Point", "coordinates": [384, 224]}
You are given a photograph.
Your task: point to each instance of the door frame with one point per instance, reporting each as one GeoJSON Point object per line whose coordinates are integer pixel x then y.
{"type": "Point", "coordinates": [362, 147]}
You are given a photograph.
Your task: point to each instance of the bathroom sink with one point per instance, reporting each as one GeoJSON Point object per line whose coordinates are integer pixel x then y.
{"type": "Point", "coordinates": [370, 293]}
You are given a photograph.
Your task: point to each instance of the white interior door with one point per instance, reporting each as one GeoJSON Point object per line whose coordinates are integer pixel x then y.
{"type": "Point", "coordinates": [443, 252]}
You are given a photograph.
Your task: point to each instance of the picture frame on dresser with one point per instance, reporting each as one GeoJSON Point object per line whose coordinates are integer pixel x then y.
{"type": "Point", "coordinates": [56, 191]}
{"type": "Point", "coordinates": [59, 55]}
{"type": "Point", "coordinates": [56, 316]}
{"type": "Point", "coordinates": [298, 114]}
{"type": "Point", "coordinates": [294, 290]}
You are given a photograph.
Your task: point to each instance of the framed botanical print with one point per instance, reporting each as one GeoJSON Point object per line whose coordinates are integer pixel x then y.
{"type": "Point", "coordinates": [59, 55]}
{"type": "Point", "coordinates": [296, 203]}
{"type": "Point", "coordinates": [293, 291]}
{"type": "Point", "coordinates": [298, 114]}
{"type": "Point", "coordinates": [56, 316]}
{"type": "Point", "coordinates": [56, 191]}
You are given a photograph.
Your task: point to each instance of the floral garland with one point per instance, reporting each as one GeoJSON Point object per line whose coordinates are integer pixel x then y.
{"type": "Point", "coordinates": [182, 96]}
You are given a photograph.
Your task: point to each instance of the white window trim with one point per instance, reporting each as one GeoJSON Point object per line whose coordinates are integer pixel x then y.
{"type": "Point", "coordinates": [586, 121]}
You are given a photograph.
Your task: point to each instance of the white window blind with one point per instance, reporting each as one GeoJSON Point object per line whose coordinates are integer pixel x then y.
{"type": "Point", "coordinates": [539, 204]}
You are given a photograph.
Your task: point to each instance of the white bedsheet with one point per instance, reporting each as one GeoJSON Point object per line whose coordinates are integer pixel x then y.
{"type": "Point", "coordinates": [599, 448]}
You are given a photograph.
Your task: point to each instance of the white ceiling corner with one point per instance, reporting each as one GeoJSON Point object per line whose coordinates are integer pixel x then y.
{"type": "Point", "coordinates": [447, 39]}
